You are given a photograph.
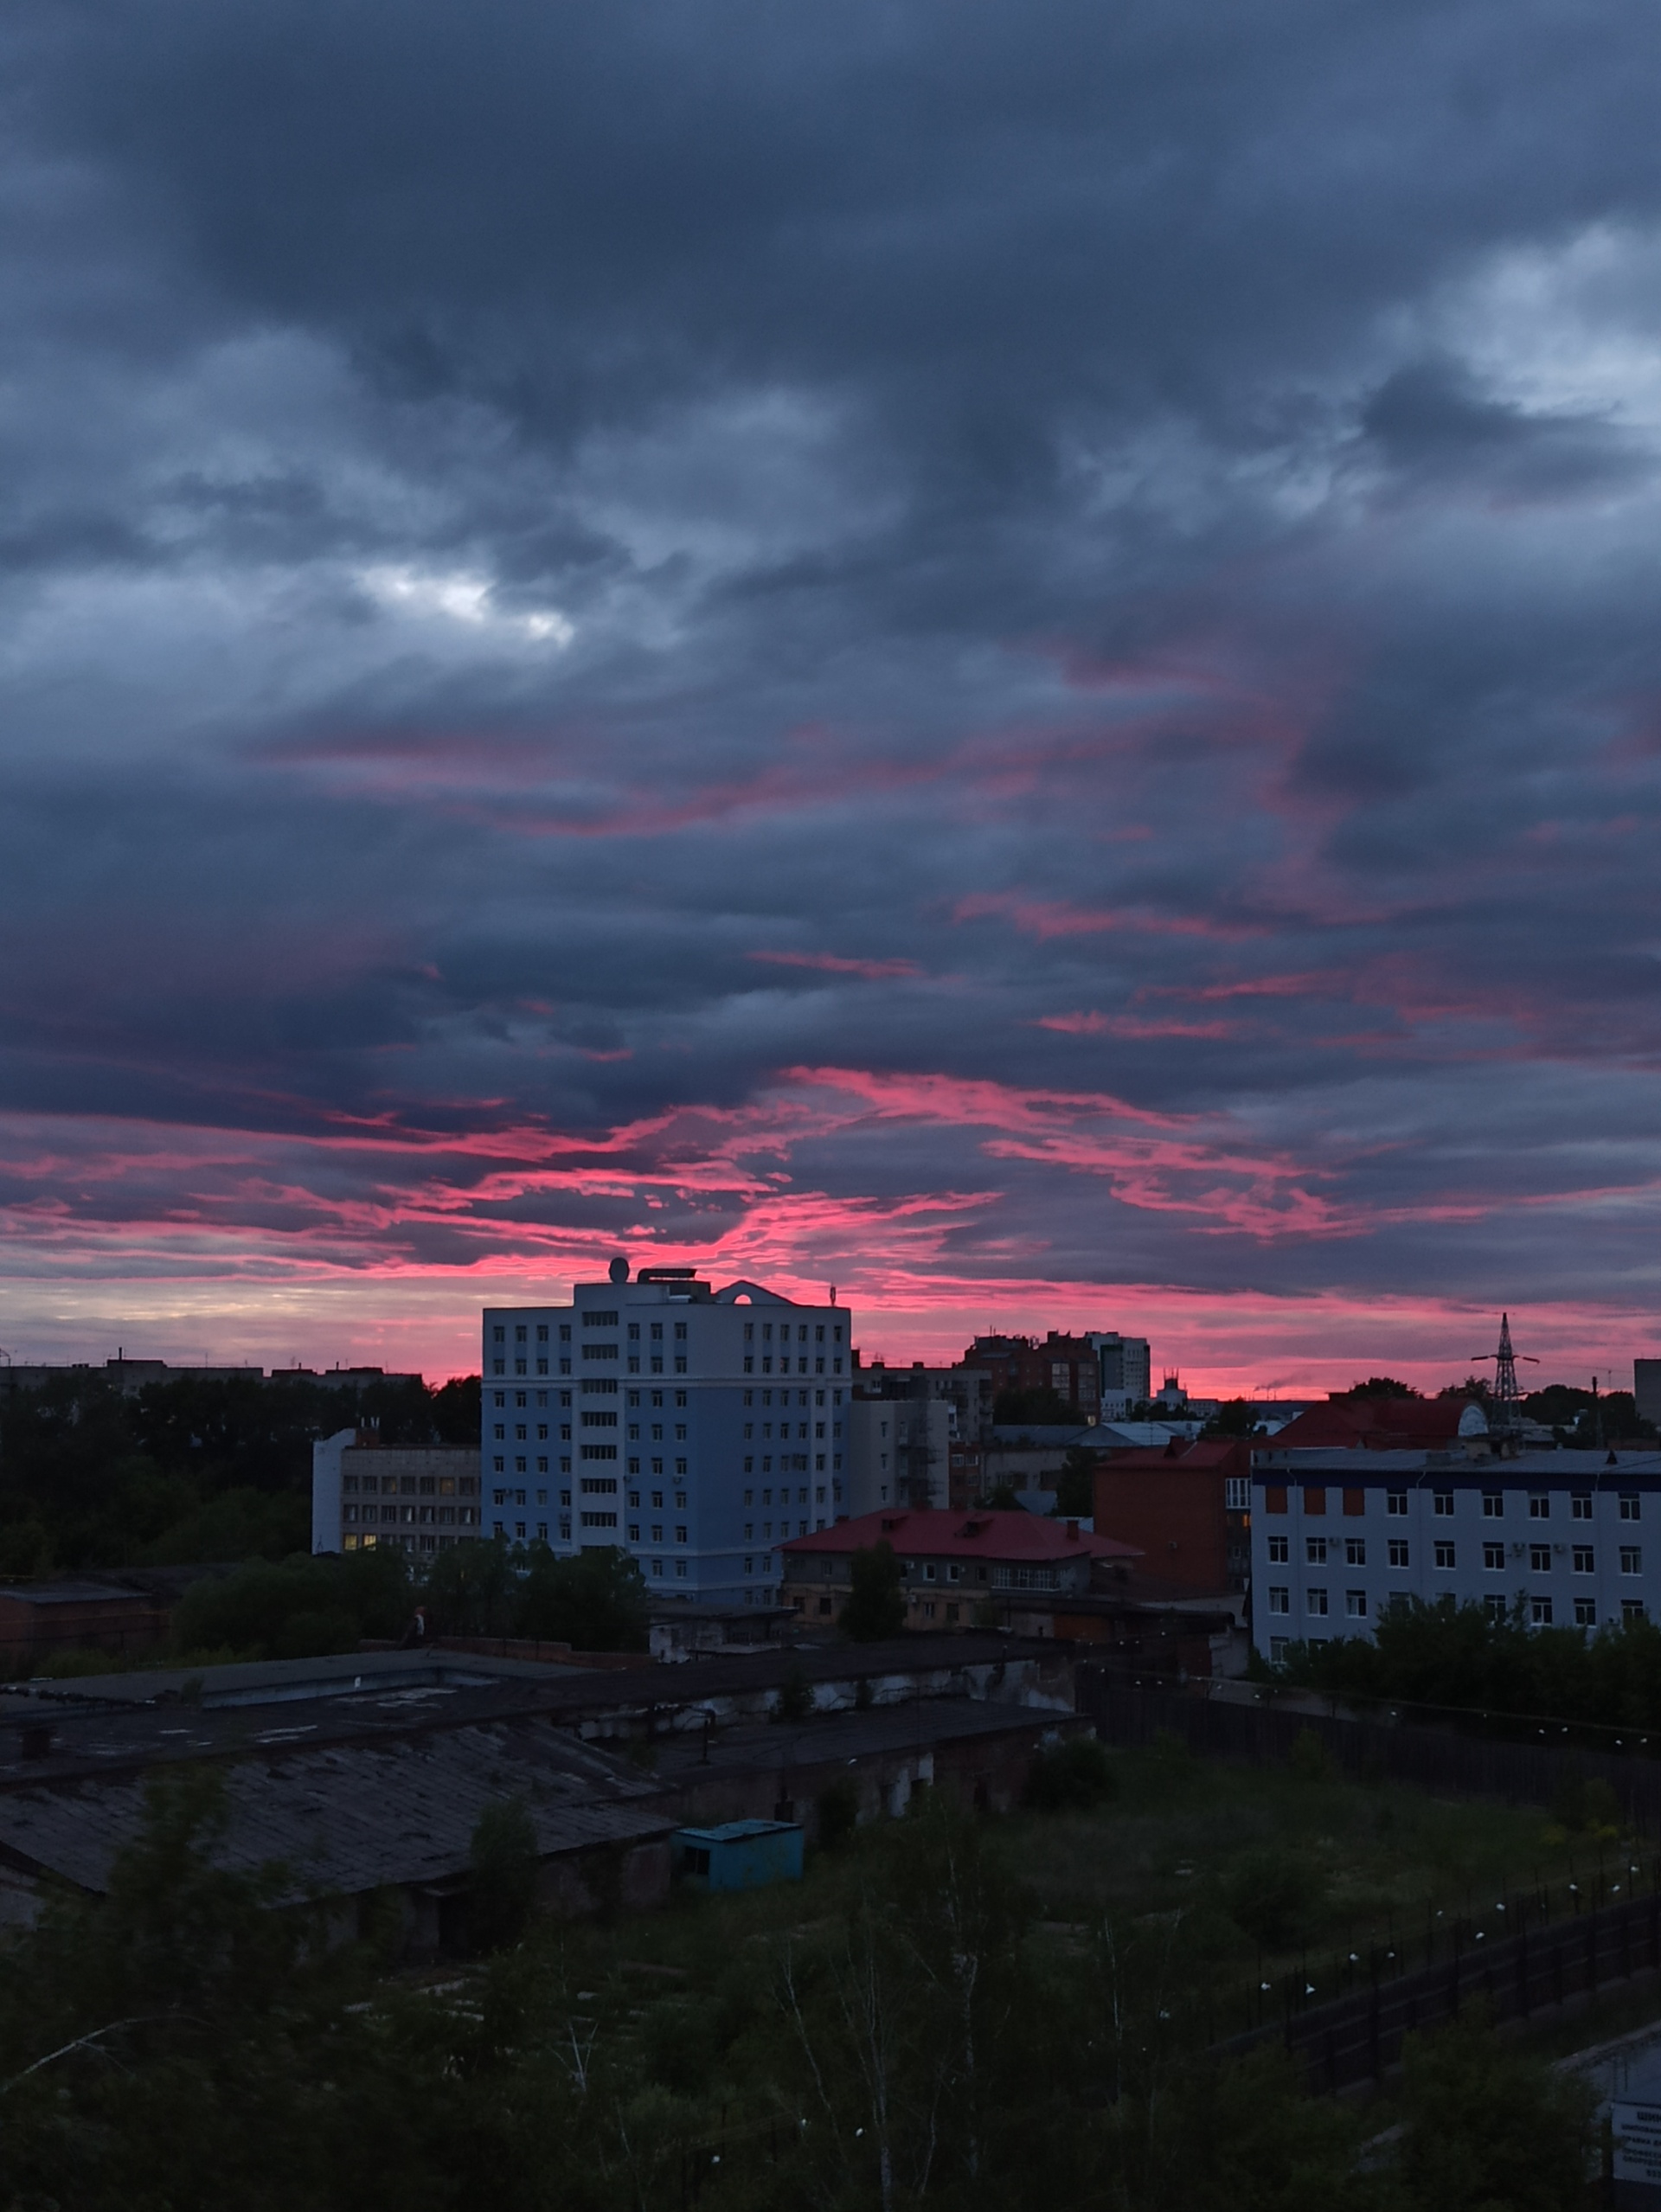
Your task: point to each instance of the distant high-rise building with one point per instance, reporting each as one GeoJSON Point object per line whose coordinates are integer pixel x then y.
{"type": "Point", "coordinates": [695, 1428]}
{"type": "Point", "coordinates": [1125, 1366]}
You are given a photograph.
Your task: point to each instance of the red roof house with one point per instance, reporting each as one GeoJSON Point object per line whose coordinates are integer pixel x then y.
{"type": "Point", "coordinates": [1375, 1424]}
{"type": "Point", "coordinates": [948, 1561]}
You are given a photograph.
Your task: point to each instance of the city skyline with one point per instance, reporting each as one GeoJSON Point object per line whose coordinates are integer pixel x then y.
{"type": "Point", "coordinates": [1016, 670]}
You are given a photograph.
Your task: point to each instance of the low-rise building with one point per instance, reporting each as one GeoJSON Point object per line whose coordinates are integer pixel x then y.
{"type": "Point", "coordinates": [948, 1561]}
{"type": "Point", "coordinates": [1339, 1535]}
{"type": "Point", "coordinates": [1187, 1508]}
{"type": "Point", "coordinates": [364, 1494]}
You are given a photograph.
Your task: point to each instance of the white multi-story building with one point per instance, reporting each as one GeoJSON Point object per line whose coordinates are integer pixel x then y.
{"type": "Point", "coordinates": [1126, 1367]}
{"type": "Point", "coordinates": [365, 1494]}
{"type": "Point", "coordinates": [697, 1428]}
{"type": "Point", "coordinates": [1338, 1535]}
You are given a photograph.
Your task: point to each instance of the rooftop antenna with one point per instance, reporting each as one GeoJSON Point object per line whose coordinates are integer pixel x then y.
{"type": "Point", "coordinates": [1507, 1399]}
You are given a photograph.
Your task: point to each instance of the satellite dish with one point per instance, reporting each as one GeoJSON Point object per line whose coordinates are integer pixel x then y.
{"type": "Point", "coordinates": [619, 1270]}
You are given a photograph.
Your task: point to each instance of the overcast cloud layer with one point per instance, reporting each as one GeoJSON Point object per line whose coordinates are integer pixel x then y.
{"type": "Point", "coordinates": [1009, 655]}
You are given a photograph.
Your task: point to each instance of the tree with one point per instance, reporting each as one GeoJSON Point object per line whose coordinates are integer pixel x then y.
{"type": "Point", "coordinates": [1379, 1386]}
{"type": "Point", "coordinates": [596, 1602]}
{"type": "Point", "coordinates": [505, 1858]}
{"type": "Point", "coordinates": [1235, 1417]}
{"type": "Point", "coordinates": [877, 1602]}
{"type": "Point", "coordinates": [1075, 1485]}
{"type": "Point", "coordinates": [1489, 2125]}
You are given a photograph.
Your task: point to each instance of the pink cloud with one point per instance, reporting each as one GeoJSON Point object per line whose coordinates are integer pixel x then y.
{"type": "Point", "coordinates": [834, 964]}
{"type": "Point", "coordinates": [1046, 918]}
{"type": "Point", "coordinates": [1129, 1025]}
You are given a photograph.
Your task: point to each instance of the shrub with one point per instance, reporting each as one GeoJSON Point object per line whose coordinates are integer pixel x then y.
{"type": "Point", "coordinates": [1070, 1777]}
{"type": "Point", "coordinates": [1308, 1758]}
{"type": "Point", "coordinates": [1272, 1896]}
{"type": "Point", "coordinates": [839, 1813]}
{"type": "Point", "coordinates": [795, 1700]}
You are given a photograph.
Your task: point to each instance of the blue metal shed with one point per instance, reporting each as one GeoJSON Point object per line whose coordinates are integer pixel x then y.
{"type": "Point", "coordinates": [739, 1854]}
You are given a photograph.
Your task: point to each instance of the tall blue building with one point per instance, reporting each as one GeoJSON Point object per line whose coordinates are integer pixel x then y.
{"type": "Point", "coordinates": [697, 1428]}
{"type": "Point", "coordinates": [1338, 1535]}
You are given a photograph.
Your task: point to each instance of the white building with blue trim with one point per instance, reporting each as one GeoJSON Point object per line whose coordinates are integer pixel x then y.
{"type": "Point", "coordinates": [697, 1428]}
{"type": "Point", "coordinates": [1337, 1534]}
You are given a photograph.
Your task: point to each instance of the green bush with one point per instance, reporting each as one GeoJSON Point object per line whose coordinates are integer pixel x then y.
{"type": "Point", "coordinates": [839, 1813]}
{"type": "Point", "coordinates": [1070, 1777]}
{"type": "Point", "coordinates": [795, 1699]}
{"type": "Point", "coordinates": [1273, 1895]}
{"type": "Point", "coordinates": [1309, 1759]}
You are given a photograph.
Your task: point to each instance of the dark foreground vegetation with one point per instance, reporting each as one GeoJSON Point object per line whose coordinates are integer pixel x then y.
{"type": "Point", "coordinates": [307, 1606]}
{"type": "Point", "coordinates": [909, 2027]}
{"type": "Point", "coordinates": [187, 1470]}
{"type": "Point", "coordinates": [1453, 1655]}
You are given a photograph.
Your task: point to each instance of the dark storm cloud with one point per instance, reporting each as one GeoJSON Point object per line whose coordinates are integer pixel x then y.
{"type": "Point", "coordinates": [1007, 646]}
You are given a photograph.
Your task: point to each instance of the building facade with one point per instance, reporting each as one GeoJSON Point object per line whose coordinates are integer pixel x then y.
{"type": "Point", "coordinates": [949, 1562]}
{"type": "Point", "coordinates": [364, 1494]}
{"type": "Point", "coordinates": [1187, 1508]}
{"type": "Point", "coordinates": [1124, 1366]}
{"type": "Point", "coordinates": [1338, 1535]}
{"type": "Point", "coordinates": [942, 1462]}
{"type": "Point", "coordinates": [696, 1428]}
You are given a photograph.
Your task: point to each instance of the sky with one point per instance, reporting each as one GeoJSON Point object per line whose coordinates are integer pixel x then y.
{"type": "Point", "coordinates": [1006, 655]}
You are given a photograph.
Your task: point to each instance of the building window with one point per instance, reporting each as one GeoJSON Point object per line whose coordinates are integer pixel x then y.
{"type": "Point", "coordinates": [1395, 1503]}
{"type": "Point", "coordinates": [1493, 1559]}
{"type": "Point", "coordinates": [1583, 1559]}
{"type": "Point", "coordinates": [1274, 1497]}
{"type": "Point", "coordinates": [1539, 1559]}
{"type": "Point", "coordinates": [1580, 1505]}
{"type": "Point", "coordinates": [1315, 1550]}
{"type": "Point", "coordinates": [1315, 1601]}
{"type": "Point", "coordinates": [1493, 1505]}
{"type": "Point", "coordinates": [1444, 1557]}
{"type": "Point", "coordinates": [1631, 1505]}
{"type": "Point", "coordinates": [1279, 1550]}
{"type": "Point", "coordinates": [1280, 1597]}
{"type": "Point", "coordinates": [1314, 1501]}
{"type": "Point", "coordinates": [1355, 1604]}
{"type": "Point", "coordinates": [1540, 1611]}
{"type": "Point", "coordinates": [1631, 1609]}
{"type": "Point", "coordinates": [1586, 1612]}
{"type": "Point", "coordinates": [1494, 1607]}
{"type": "Point", "coordinates": [1632, 1560]}
{"type": "Point", "coordinates": [1540, 1505]}
{"type": "Point", "coordinates": [1236, 1490]}
{"type": "Point", "coordinates": [1355, 1551]}
{"type": "Point", "coordinates": [1398, 1551]}
{"type": "Point", "coordinates": [1442, 1504]}
{"type": "Point", "coordinates": [1277, 1649]}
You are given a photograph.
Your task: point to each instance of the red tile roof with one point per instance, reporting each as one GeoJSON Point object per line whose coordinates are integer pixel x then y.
{"type": "Point", "coordinates": [933, 1535]}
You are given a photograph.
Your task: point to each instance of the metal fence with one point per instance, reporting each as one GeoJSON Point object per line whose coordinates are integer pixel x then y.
{"type": "Point", "coordinates": [1460, 1763]}
{"type": "Point", "coordinates": [1347, 2013]}
{"type": "Point", "coordinates": [1533, 1952]}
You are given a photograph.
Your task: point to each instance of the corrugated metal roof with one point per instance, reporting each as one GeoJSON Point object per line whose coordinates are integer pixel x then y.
{"type": "Point", "coordinates": [353, 1817]}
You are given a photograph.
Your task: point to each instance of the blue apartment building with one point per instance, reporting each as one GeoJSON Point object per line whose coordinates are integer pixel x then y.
{"type": "Point", "coordinates": [1337, 1534]}
{"type": "Point", "coordinates": [697, 1428]}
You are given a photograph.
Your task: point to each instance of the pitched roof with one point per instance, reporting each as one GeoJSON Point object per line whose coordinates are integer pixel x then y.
{"type": "Point", "coordinates": [1229, 1455]}
{"type": "Point", "coordinates": [936, 1534]}
{"type": "Point", "coordinates": [1374, 1424]}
